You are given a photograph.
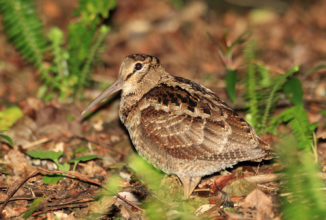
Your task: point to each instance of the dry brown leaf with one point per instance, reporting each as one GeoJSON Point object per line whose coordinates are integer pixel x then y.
{"type": "Point", "coordinates": [261, 202]}
{"type": "Point", "coordinates": [19, 163]}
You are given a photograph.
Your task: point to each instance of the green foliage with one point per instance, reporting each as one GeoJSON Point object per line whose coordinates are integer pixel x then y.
{"type": "Point", "coordinates": [95, 10]}
{"type": "Point", "coordinates": [231, 80]}
{"type": "Point", "coordinates": [105, 198]}
{"type": "Point", "coordinates": [81, 150]}
{"type": "Point", "coordinates": [299, 178]}
{"type": "Point", "coordinates": [84, 40]}
{"type": "Point", "coordinates": [264, 74]}
{"type": "Point", "coordinates": [86, 158]}
{"type": "Point", "coordinates": [3, 168]}
{"type": "Point", "coordinates": [252, 87]}
{"type": "Point", "coordinates": [9, 116]}
{"type": "Point", "coordinates": [166, 200]}
{"type": "Point", "coordinates": [24, 29]}
{"type": "Point", "coordinates": [57, 77]}
{"type": "Point", "coordinates": [293, 89]}
{"type": "Point", "coordinates": [67, 73]}
{"type": "Point", "coordinates": [35, 205]}
{"type": "Point", "coordinates": [70, 118]}
{"type": "Point", "coordinates": [89, 59]}
{"type": "Point", "coordinates": [297, 118]}
{"type": "Point", "coordinates": [54, 156]}
{"type": "Point", "coordinates": [305, 197]}
{"type": "Point", "coordinates": [323, 112]}
{"type": "Point", "coordinates": [178, 4]}
{"type": "Point", "coordinates": [273, 96]}
{"type": "Point", "coordinates": [82, 50]}
{"type": "Point", "coordinates": [263, 91]}
{"type": "Point", "coordinates": [6, 138]}
{"type": "Point", "coordinates": [113, 185]}
{"type": "Point", "coordinates": [146, 172]}
{"type": "Point", "coordinates": [50, 155]}
{"type": "Point", "coordinates": [45, 155]}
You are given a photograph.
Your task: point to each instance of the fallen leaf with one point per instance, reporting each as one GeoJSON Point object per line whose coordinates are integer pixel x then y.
{"type": "Point", "coordinates": [261, 202]}
{"type": "Point", "coordinates": [240, 187]}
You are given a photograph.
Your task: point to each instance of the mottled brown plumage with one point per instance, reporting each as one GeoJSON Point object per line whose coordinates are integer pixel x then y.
{"type": "Point", "coordinates": [179, 126]}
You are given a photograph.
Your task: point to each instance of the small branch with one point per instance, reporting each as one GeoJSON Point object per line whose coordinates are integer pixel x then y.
{"type": "Point", "coordinates": [16, 198]}
{"type": "Point", "coordinates": [265, 178]}
{"type": "Point", "coordinates": [35, 143]}
{"type": "Point", "coordinates": [262, 178]}
{"type": "Point", "coordinates": [12, 191]}
{"type": "Point", "coordinates": [129, 203]}
{"type": "Point", "coordinates": [74, 204]}
{"type": "Point", "coordinates": [69, 174]}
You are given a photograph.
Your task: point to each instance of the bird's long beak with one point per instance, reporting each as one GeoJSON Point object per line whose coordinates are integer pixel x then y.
{"type": "Point", "coordinates": [116, 86]}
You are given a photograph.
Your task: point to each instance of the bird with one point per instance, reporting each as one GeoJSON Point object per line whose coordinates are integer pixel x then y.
{"type": "Point", "coordinates": [178, 125]}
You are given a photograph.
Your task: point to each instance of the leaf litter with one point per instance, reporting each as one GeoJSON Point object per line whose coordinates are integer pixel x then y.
{"type": "Point", "coordinates": [179, 38]}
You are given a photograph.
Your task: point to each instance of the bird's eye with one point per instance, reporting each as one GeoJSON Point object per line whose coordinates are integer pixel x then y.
{"type": "Point", "coordinates": [138, 66]}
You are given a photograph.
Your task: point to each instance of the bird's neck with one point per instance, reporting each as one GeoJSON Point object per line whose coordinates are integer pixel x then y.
{"type": "Point", "coordinates": [133, 92]}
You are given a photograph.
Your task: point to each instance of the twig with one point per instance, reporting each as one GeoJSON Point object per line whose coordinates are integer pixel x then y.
{"type": "Point", "coordinates": [11, 192]}
{"type": "Point", "coordinates": [75, 204]}
{"type": "Point", "coordinates": [69, 174]}
{"type": "Point", "coordinates": [272, 177]}
{"type": "Point", "coordinates": [262, 178]}
{"type": "Point", "coordinates": [38, 142]}
{"type": "Point", "coordinates": [129, 203]}
{"type": "Point", "coordinates": [16, 198]}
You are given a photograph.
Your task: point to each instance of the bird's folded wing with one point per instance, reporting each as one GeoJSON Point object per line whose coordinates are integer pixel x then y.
{"type": "Point", "coordinates": [186, 136]}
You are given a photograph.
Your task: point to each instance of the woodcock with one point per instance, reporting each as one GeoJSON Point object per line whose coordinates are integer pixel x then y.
{"type": "Point", "coordinates": [179, 126]}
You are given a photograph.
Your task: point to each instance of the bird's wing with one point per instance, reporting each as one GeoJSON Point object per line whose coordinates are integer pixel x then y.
{"type": "Point", "coordinates": [187, 127]}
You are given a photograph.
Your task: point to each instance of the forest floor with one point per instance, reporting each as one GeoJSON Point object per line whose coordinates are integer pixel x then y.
{"type": "Point", "coordinates": [185, 39]}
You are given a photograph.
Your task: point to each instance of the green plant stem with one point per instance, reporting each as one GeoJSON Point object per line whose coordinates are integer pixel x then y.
{"type": "Point", "coordinates": [314, 147]}
{"type": "Point", "coordinates": [103, 30]}
{"type": "Point", "coordinates": [253, 100]}
{"type": "Point", "coordinates": [269, 105]}
{"type": "Point", "coordinates": [252, 94]}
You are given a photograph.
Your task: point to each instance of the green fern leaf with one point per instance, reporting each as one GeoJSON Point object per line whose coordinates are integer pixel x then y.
{"type": "Point", "coordinates": [298, 120]}
{"type": "Point", "coordinates": [24, 29]}
{"type": "Point", "coordinates": [293, 90]}
{"type": "Point", "coordinates": [274, 93]}
{"type": "Point", "coordinates": [300, 181]}
{"type": "Point", "coordinates": [100, 8]}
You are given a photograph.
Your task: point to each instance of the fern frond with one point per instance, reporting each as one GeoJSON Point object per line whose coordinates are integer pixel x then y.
{"type": "Point", "coordinates": [264, 75]}
{"type": "Point", "coordinates": [83, 49]}
{"type": "Point", "coordinates": [91, 11]}
{"type": "Point", "coordinates": [24, 29]}
{"type": "Point", "coordinates": [300, 181]}
{"type": "Point", "coordinates": [78, 47]}
{"type": "Point", "coordinates": [82, 33]}
{"type": "Point", "coordinates": [301, 127]}
{"type": "Point", "coordinates": [252, 95]}
{"type": "Point", "coordinates": [59, 54]}
{"type": "Point", "coordinates": [98, 41]}
{"type": "Point", "coordinates": [298, 120]}
{"type": "Point", "coordinates": [273, 95]}
{"type": "Point", "coordinates": [62, 81]}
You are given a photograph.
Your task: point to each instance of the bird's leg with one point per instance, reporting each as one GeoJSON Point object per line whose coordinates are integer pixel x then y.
{"type": "Point", "coordinates": [189, 184]}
